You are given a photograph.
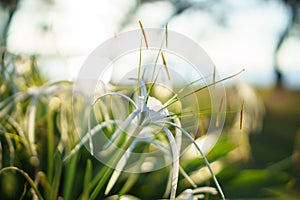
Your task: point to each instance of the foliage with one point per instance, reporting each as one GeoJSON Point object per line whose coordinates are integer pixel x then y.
{"type": "Point", "coordinates": [37, 134]}
{"type": "Point", "coordinates": [39, 141]}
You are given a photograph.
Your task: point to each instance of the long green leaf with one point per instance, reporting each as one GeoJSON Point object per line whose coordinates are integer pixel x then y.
{"type": "Point", "coordinates": [57, 176]}
{"type": "Point", "coordinates": [50, 145]}
{"type": "Point", "coordinates": [70, 175]}
{"type": "Point", "coordinates": [87, 179]}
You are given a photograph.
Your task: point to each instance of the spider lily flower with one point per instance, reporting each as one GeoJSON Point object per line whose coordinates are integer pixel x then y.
{"type": "Point", "coordinates": [149, 122]}
{"type": "Point", "coordinates": [149, 118]}
{"type": "Point", "coordinates": [195, 194]}
{"type": "Point", "coordinates": [148, 114]}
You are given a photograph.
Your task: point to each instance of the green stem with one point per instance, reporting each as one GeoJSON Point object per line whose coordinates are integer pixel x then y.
{"type": "Point", "coordinates": [27, 177]}
{"type": "Point", "coordinates": [50, 145]}
{"type": "Point", "coordinates": [107, 170]}
{"type": "Point", "coordinates": [70, 176]}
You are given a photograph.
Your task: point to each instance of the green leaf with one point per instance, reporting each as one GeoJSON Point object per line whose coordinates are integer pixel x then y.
{"type": "Point", "coordinates": [57, 176]}
{"type": "Point", "coordinates": [87, 179]}
{"type": "Point", "coordinates": [70, 175]}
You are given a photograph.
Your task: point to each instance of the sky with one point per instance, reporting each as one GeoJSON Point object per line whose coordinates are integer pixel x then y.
{"type": "Point", "coordinates": [64, 33]}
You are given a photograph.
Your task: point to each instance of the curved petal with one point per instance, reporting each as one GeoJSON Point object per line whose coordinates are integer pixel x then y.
{"type": "Point", "coordinates": [203, 156]}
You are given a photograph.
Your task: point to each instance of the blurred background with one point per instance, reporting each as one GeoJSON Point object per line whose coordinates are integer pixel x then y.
{"type": "Point", "coordinates": [260, 36]}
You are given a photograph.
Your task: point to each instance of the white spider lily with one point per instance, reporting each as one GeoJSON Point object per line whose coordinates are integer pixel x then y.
{"type": "Point", "coordinates": [195, 194]}
{"type": "Point", "coordinates": [152, 113]}
{"type": "Point", "coordinates": [140, 125]}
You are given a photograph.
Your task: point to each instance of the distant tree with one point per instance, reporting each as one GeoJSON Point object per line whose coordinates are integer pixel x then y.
{"type": "Point", "coordinates": [9, 6]}
{"type": "Point", "coordinates": [294, 9]}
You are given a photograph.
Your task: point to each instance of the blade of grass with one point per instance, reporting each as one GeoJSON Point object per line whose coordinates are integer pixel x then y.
{"type": "Point", "coordinates": [87, 179]}
{"type": "Point", "coordinates": [107, 173]}
{"type": "Point", "coordinates": [153, 80]}
{"type": "Point", "coordinates": [119, 167]}
{"type": "Point", "coordinates": [31, 117]}
{"type": "Point", "coordinates": [165, 65]}
{"type": "Point", "coordinates": [172, 99]}
{"type": "Point", "coordinates": [27, 177]}
{"type": "Point", "coordinates": [129, 183]}
{"type": "Point", "coordinates": [155, 64]}
{"type": "Point", "coordinates": [64, 127]}
{"type": "Point", "coordinates": [89, 118]}
{"type": "Point", "coordinates": [114, 160]}
{"type": "Point", "coordinates": [117, 172]}
{"type": "Point", "coordinates": [96, 180]}
{"type": "Point", "coordinates": [23, 192]}
{"type": "Point", "coordinates": [21, 133]}
{"type": "Point", "coordinates": [177, 98]}
{"type": "Point", "coordinates": [11, 149]}
{"type": "Point", "coordinates": [121, 128]}
{"type": "Point", "coordinates": [41, 179]}
{"type": "Point", "coordinates": [13, 100]}
{"type": "Point", "coordinates": [50, 145]}
{"type": "Point", "coordinates": [95, 130]}
{"type": "Point", "coordinates": [104, 110]}
{"type": "Point", "coordinates": [133, 177]}
{"type": "Point", "coordinates": [70, 175]}
{"type": "Point", "coordinates": [57, 176]}
{"type": "Point", "coordinates": [219, 81]}
{"type": "Point", "coordinates": [187, 177]}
